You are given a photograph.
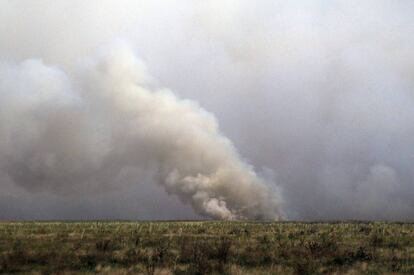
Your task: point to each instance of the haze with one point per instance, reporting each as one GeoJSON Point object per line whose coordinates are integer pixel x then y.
{"type": "Point", "coordinates": [300, 110]}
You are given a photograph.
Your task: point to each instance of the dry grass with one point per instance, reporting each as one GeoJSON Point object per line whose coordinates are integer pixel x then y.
{"type": "Point", "coordinates": [206, 248]}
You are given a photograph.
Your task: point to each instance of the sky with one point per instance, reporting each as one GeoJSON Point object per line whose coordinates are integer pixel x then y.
{"type": "Point", "coordinates": [311, 102]}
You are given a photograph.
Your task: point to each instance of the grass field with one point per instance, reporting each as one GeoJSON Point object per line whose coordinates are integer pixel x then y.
{"type": "Point", "coordinates": [206, 247]}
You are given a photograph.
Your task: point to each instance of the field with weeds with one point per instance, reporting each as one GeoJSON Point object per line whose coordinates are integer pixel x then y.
{"type": "Point", "coordinates": [209, 247]}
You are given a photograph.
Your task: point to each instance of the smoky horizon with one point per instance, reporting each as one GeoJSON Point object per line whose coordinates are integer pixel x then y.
{"type": "Point", "coordinates": [186, 110]}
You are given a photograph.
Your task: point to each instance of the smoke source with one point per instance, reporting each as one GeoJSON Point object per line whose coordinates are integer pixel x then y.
{"type": "Point", "coordinates": [61, 135]}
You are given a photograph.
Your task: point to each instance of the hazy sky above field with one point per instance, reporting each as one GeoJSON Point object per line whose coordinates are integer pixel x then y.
{"type": "Point", "coordinates": [317, 96]}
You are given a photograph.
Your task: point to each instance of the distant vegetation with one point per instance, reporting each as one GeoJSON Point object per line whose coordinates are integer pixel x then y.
{"type": "Point", "coordinates": [206, 247]}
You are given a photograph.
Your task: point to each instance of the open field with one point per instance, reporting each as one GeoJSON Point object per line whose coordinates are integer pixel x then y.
{"type": "Point", "coordinates": [206, 247]}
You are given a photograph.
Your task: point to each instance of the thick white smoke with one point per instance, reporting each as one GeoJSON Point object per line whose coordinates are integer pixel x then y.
{"type": "Point", "coordinates": [320, 94]}
{"type": "Point", "coordinates": [63, 134]}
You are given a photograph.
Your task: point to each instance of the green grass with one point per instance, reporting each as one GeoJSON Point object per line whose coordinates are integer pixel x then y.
{"type": "Point", "coordinates": [206, 247]}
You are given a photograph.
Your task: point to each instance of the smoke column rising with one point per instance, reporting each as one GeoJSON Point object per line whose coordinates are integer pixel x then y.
{"type": "Point", "coordinates": [317, 95]}
{"type": "Point", "coordinates": [63, 135]}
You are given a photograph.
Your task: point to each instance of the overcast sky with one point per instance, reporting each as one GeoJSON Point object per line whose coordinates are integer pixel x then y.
{"type": "Point", "coordinates": [317, 96]}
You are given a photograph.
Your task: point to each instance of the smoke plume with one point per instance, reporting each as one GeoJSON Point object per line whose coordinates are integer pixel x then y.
{"type": "Point", "coordinates": [62, 135]}
{"type": "Point", "coordinates": [317, 95]}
